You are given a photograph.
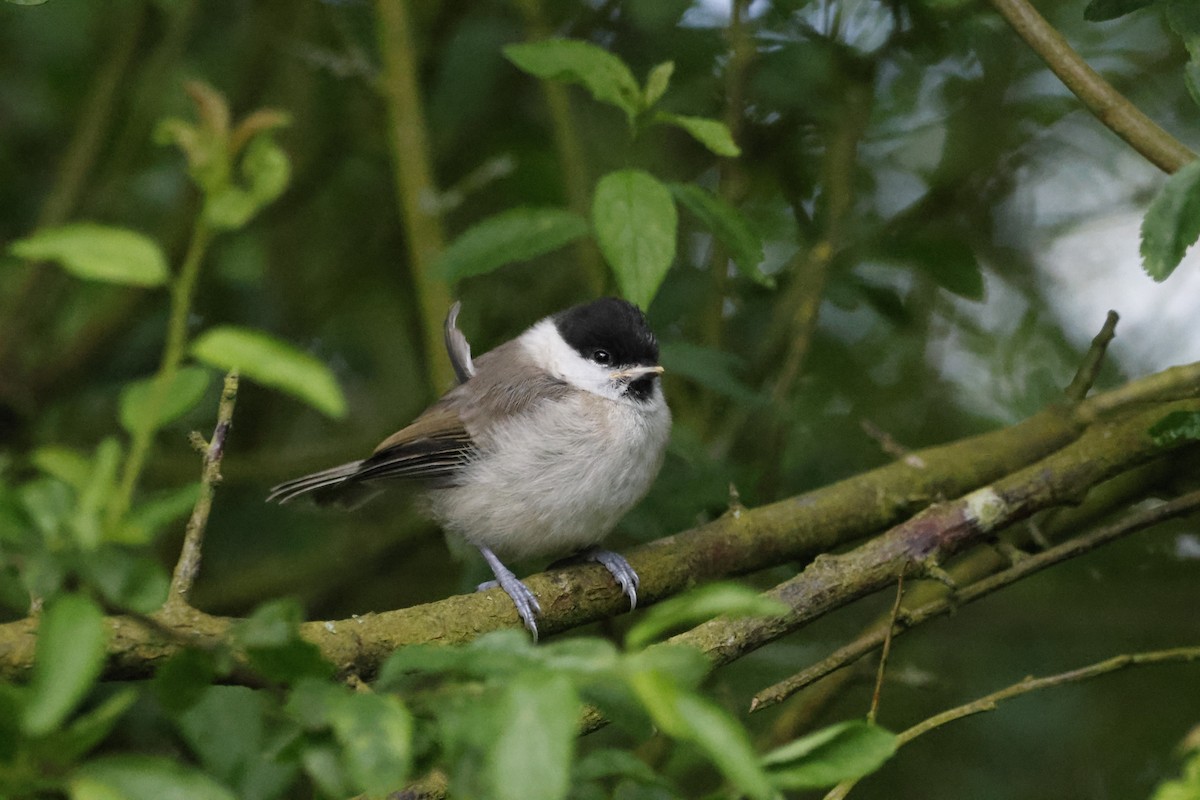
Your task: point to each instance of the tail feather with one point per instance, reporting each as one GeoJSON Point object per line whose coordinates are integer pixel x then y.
{"type": "Point", "coordinates": [325, 479]}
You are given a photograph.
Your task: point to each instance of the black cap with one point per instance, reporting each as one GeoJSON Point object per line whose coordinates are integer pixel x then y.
{"type": "Point", "coordinates": [609, 324]}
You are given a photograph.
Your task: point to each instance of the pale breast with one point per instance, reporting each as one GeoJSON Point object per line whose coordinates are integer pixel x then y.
{"type": "Point", "coordinates": [557, 478]}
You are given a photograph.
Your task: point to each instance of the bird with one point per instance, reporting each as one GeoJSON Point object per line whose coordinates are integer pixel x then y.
{"type": "Point", "coordinates": [547, 441]}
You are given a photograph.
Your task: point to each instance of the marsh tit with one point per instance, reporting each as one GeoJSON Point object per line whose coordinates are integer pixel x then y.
{"type": "Point", "coordinates": [545, 444]}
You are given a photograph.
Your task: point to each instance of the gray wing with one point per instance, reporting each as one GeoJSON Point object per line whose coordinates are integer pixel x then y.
{"type": "Point", "coordinates": [432, 449]}
{"type": "Point", "coordinates": [451, 433]}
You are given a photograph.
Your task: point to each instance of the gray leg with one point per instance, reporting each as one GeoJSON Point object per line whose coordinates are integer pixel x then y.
{"type": "Point", "coordinates": [620, 570]}
{"type": "Point", "coordinates": [522, 597]}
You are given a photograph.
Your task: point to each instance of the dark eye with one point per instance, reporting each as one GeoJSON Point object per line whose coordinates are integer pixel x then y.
{"type": "Point", "coordinates": [601, 357]}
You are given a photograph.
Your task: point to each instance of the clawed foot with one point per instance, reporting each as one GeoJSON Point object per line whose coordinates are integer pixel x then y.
{"type": "Point", "coordinates": [619, 568]}
{"type": "Point", "coordinates": [524, 599]}
{"type": "Point", "coordinates": [526, 602]}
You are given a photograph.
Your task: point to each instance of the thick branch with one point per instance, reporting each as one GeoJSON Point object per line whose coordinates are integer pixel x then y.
{"type": "Point", "coordinates": [1131, 523]}
{"type": "Point", "coordinates": [1098, 95]}
{"type": "Point", "coordinates": [912, 547]}
{"type": "Point", "coordinates": [795, 529]}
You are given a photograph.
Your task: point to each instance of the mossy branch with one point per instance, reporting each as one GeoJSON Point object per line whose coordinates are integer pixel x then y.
{"type": "Point", "coordinates": [794, 529]}
{"type": "Point", "coordinates": [916, 546]}
{"type": "Point", "coordinates": [910, 618]}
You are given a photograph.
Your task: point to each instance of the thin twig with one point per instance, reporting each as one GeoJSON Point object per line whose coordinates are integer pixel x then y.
{"type": "Point", "coordinates": [1108, 105]}
{"type": "Point", "coordinates": [883, 655]}
{"type": "Point", "coordinates": [182, 291]}
{"type": "Point", "coordinates": [1131, 523]}
{"type": "Point", "coordinates": [1031, 684]}
{"type": "Point", "coordinates": [189, 557]}
{"type": "Point", "coordinates": [1085, 376]}
{"type": "Point", "coordinates": [889, 445]}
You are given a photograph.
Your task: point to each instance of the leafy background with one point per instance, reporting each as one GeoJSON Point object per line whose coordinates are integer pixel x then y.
{"type": "Point", "coordinates": [910, 169]}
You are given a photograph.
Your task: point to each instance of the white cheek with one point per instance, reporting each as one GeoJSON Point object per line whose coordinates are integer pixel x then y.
{"type": "Point", "coordinates": [547, 348]}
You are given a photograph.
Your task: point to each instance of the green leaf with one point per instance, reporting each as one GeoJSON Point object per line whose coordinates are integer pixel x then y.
{"type": "Point", "coordinates": [206, 151]}
{"type": "Point", "coordinates": [494, 653]}
{"type": "Point", "coordinates": [711, 133]}
{"type": "Point", "coordinates": [1104, 10]}
{"type": "Point", "coordinates": [1184, 18]}
{"type": "Point", "coordinates": [97, 253]}
{"type": "Point", "coordinates": [1172, 222]}
{"type": "Point", "coordinates": [127, 579]}
{"type": "Point", "coordinates": [713, 369]}
{"type": "Point", "coordinates": [375, 731]}
{"type": "Point", "coordinates": [184, 679]}
{"type": "Point", "coordinates": [579, 657]}
{"type": "Point", "coordinates": [690, 717]}
{"type": "Point", "coordinates": [270, 638]}
{"type": "Point", "coordinates": [729, 226]}
{"type": "Point", "coordinates": [181, 396]}
{"type": "Point", "coordinates": [48, 503]}
{"type": "Point", "coordinates": [657, 82]}
{"type": "Point", "coordinates": [613, 763]}
{"type": "Point", "coordinates": [12, 698]}
{"type": "Point", "coordinates": [84, 733]}
{"type": "Point", "coordinates": [312, 701]}
{"type": "Point", "coordinates": [516, 235]}
{"type": "Point", "coordinates": [1176, 427]}
{"type": "Point", "coordinates": [68, 658]}
{"type": "Point", "coordinates": [229, 207]}
{"type": "Point", "coordinates": [603, 74]}
{"type": "Point", "coordinates": [1187, 785]}
{"type": "Point", "coordinates": [265, 170]}
{"type": "Point", "coordinates": [68, 465]}
{"type": "Point", "coordinates": [692, 608]}
{"type": "Point", "coordinates": [686, 666]}
{"type": "Point", "coordinates": [635, 221]}
{"type": "Point", "coordinates": [322, 764]}
{"type": "Point", "coordinates": [842, 752]}
{"type": "Point", "coordinates": [89, 508]}
{"type": "Point", "coordinates": [272, 362]}
{"type": "Point", "coordinates": [1191, 76]}
{"type": "Point", "coordinates": [150, 516]}
{"type": "Point", "coordinates": [946, 258]}
{"type": "Point", "coordinates": [225, 728]}
{"type": "Point", "coordinates": [531, 756]}
{"type": "Point", "coordinates": [136, 777]}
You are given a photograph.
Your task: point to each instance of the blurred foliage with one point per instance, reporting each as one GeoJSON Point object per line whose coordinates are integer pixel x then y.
{"type": "Point", "coordinates": [191, 187]}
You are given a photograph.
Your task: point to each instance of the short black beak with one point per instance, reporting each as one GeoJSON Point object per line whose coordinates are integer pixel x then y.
{"type": "Point", "coordinates": [636, 373]}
